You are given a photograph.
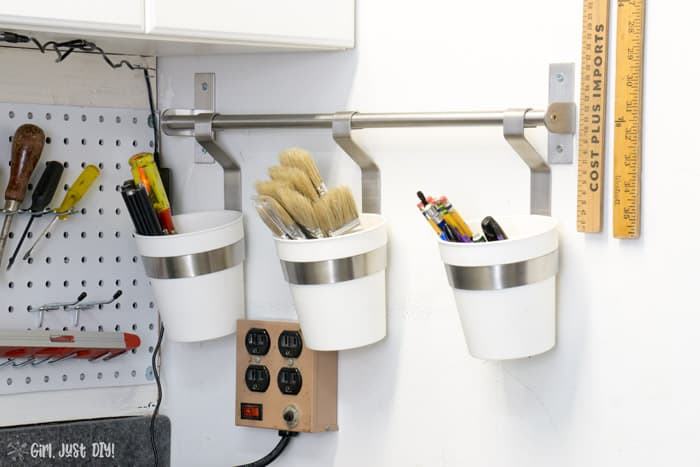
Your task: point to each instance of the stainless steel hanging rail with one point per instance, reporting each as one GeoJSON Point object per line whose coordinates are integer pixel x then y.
{"type": "Point", "coordinates": [181, 125]}
{"type": "Point", "coordinates": [203, 122]}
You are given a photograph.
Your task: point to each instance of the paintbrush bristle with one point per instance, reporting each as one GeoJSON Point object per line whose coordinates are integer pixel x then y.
{"type": "Point", "coordinates": [274, 211]}
{"type": "Point", "coordinates": [270, 188]}
{"type": "Point", "coordinates": [297, 178]}
{"type": "Point", "coordinates": [337, 212]}
{"type": "Point", "coordinates": [300, 208]}
{"type": "Point", "coordinates": [302, 159]}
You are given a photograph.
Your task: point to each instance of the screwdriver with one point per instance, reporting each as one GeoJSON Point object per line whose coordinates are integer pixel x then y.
{"type": "Point", "coordinates": [76, 191]}
{"type": "Point", "coordinates": [41, 197]}
{"type": "Point", "coordinates": [27, 144]}
{"type": "Point", "coordinates": [145, 172]}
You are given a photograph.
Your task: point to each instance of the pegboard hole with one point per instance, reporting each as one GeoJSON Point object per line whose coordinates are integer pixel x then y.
{"type": "Point", "coordinates": [30, 260]}
{"type": "Point", "coordinates": [9, 381]}
{"type": "Point", "coordinates": [101, 142]}
{"type": "Point", "coordinates": [100, 328]}
{"type": "Point", "coordinates": [134, 143]}
{"type": "Point", "coordinates": [151, 305]}
{"type": "Point", "coordinates": [46, 379]}
{"type": "Point", "coordinates": [118, 259]}
{"type": "Point", "coordinates": [65, 164]}
{"type": "Point", "coordinates": [30, 187]}
{"type": "Point", "coordinates": [116, 374]}
{"type": "Point", "coordinates": [66, 235]}
{"type": "Point", "coordinates": [117, 234]}
{"type": "Point", "coordinates": [150, 326]}
{"type": "Point", "coordinates": [134, 327]}
{"type": "Point", "coordinates": [83, 165]}
{"type": "Point", "coordinates": [47, 235]}
{"type": "Point", "coordinates": [11, 285]}
{"type": "Point", "coordinates": [101, 259]}
{"type": "Point", "coordinates": [47, 284]}
{"type": "Point", "coordinates": [134, 120]}
{"type": "Point", "coordinates": [11, 114]}
{"type": "Point", "coordinates": [11, 235]}
{"type": "Point", "coordinates": [117, 211]}
{"type": "Point", "coordinates": [100, 283]}
{"type": "Point", "coordinates": [118, 143]}
{"type": "Point", "coordinates": [82, 328]}
{"type": "Point", "coordinates": [47, 116]}
{"type": "Point", "coordinates": [66, 117]}
{"type": "Point", "coordinates": [64, 378]}
{"type": "Point", "coordinates": [150, 144]}
{"type": "Point", "coordinates": [83, 117]}
{"type": "Point", "coordinates": [134, 259]}
{"type": "Point", "coordinates": [101, 165]}
{"type": "Point", "coordinates": [83, 234]}
{"type": "Point", "coordinates": [117, 306]}
{"type": "Point", "coordinates": [133, 372]}
{"type": "Point", "coordinates": [83, 283]}
{"type": "Point", "coordinates": [102, 188]}
{"type": "Point", "coordinates": [66, 283]}
{"type": "Point", "coordinates": [10, 309]}
{"type": "Point", "coordinates": [82, 376]}
{"type": "Point", "coordinates": [66, 260]}
{"type": "Point", "coordinates": [48, 140]}
{"type": "Point", "coordinates": [134, 305]}
{"type": "Point", "coordinates": [30, 284]}
{"type": "Point", "coordinates": [101, 118]}
{"type": "Point", "coordinates": [117, 327]}
{"type": "Point", "coordinates": [30, 115]}
{"type": "Point", "coordinates": [83, 259]}
{"type": "Point", "coordinates": [118, 119]}
{"type": "Point", "coordinates": [150, 349]}
{"type": "Point", "coordinates": [99, 375]}
{"type": "Point", "coordinates": [27, 380]}
{"type": "Point", "coordinates": [117, 165]}
{"type": "Point", "coordinates": [83, 211]}
{"type": "Point", "coordinates": [134, 282]}
{"type": "Point", "coordinates": [100, 211]}
{"type": "Point", "coordinates": [29, 234]}
{"type": "Point", "coordinates": [65, 328]}
{"type": "Point", "coordinates": [118, 282]}
{"type": "Point", "coordinates": [66, 141]}
{"type": "Point", "coordinates": [65, 187]}
{"type": "Point", "coordinates": [83, 141]}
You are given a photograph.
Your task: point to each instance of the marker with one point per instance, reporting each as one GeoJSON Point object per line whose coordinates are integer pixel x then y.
{"type": "Point", "coordinates": [455, 215]}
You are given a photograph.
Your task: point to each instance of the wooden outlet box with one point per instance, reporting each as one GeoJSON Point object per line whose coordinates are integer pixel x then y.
{"type": "Point", "coordinates": [275, 405]}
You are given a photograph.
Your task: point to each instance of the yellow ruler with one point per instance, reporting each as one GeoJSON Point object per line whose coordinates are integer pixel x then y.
{"type": "Point", "coordinates": [591, 134]}
{"type": "Point", "coordinates": [628, 118]}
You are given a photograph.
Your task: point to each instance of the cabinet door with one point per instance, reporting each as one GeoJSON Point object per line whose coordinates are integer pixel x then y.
{"type": "Point", "coordinates": [304, 23]}
{"type": "Point", "coordinates": [74, 15]}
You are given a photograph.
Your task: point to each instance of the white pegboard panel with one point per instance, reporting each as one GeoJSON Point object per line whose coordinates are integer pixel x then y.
{"type": "Point", "coordinates": [92, 251]}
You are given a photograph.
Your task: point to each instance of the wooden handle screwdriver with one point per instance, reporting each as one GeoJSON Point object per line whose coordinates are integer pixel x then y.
{"type": "Point", "coordinates": [27, 144]}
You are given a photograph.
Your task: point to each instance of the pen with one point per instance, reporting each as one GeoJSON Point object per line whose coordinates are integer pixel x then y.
{"type": "Point", "coordinates": [492, 230]}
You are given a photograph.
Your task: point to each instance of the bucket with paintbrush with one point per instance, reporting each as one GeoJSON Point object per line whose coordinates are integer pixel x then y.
{"type": "Point", "coordinates": [333, 257]}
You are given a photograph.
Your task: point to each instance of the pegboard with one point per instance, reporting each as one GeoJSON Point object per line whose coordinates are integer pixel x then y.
{"type": "Point", "coordinates": [92, 251]}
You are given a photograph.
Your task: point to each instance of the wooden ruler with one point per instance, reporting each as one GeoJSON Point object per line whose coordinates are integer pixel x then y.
{"type": "Point", "coordinates": [591, 134]}
{"type": "Point", "coordinates": [628, 118]}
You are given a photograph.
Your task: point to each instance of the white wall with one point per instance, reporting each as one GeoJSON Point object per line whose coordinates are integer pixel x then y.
{"type": "Point", "coordinates": [621, 386]}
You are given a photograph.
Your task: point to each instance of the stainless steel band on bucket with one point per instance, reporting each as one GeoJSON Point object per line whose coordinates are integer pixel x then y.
{"type": "Point", "coordinates": [196, 264]}
{"type": "Point", "coordinates": [335, 270]}
{"type": "Point", "coordinates": [503, 276]}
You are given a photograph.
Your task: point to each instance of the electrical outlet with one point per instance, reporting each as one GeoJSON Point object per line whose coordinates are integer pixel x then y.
{"type": "Point", "coordinates": [305, 396]}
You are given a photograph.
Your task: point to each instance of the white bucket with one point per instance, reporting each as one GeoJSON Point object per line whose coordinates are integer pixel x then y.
{"type": "Point", "coordinates": [338, 285]}
{"type": "Point", "coordinates": [506, 290]}
{"type": "Point", "coordinates": [197, 274]}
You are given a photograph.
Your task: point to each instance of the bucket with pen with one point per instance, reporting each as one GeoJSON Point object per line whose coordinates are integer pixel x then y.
{"type": "Point", "coordinates": [503, 274]}
{"type": "Point", "coordinates": [194, 261]}
{"type": "Point", "coordinates": [333, 258]}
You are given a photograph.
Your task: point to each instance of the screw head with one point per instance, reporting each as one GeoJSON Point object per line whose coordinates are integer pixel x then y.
{"type": "Point", "coordinates": [257, 359]}
{"type": "Point", "coordinates": [560, 148]}
{"type": "Point", "coordinates": [559, 77]}
{"type": "Point", "coordinates": [290, 362]}
{"type": "Point", "coordinates": [205, 86]}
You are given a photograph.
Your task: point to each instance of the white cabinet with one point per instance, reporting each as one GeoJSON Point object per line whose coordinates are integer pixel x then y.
{"type": "Point", "coordinates": [295, 22]}
{"type": "Point", "coordinates": [66, 15]}
{"type": "Point", "coordinates": [178, 27]}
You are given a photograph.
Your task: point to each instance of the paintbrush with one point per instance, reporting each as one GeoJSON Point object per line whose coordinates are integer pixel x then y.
{"type": "Point", "coordinates": [296, 178]}
{"type": "Point", "coordinates": [337, 212]}
{"type": "Point", "coordinates": [301, 209]}
{"type": "Point", "coordinates": [277, 218]}
{"type": "Point", "coordinates": [302, 159]}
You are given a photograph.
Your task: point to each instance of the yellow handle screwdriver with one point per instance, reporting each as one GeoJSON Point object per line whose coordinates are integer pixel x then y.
{"type": "Point", "coordinates": [77, 190]}
{"type": "Point", "coordinates": [145, 172]}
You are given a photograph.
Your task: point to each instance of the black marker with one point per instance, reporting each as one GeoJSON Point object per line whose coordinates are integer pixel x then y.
{"type": "Point", "coordinates": [492, 230]}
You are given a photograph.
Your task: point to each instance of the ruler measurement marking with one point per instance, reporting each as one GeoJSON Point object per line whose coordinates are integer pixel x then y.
{"type": "Point", "coordinates": [628, 117]}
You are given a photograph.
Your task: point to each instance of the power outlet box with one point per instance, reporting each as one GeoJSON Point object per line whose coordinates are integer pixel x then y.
{"type": "Point", "coordinates": [302, 394]}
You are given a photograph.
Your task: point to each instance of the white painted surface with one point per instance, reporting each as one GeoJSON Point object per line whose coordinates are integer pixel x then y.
{"type": "Point", "coordinates": [301, 22]}
{"type": "Point", "coordinates": [118, 16]}
{"type": "Point", "coordinates": [621, 387]}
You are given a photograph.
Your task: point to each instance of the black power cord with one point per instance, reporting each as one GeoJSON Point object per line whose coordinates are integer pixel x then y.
{"type": "Point", "coordinates": [154, 365]}
{"type": "Point", "coordinates": [275, 453]}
